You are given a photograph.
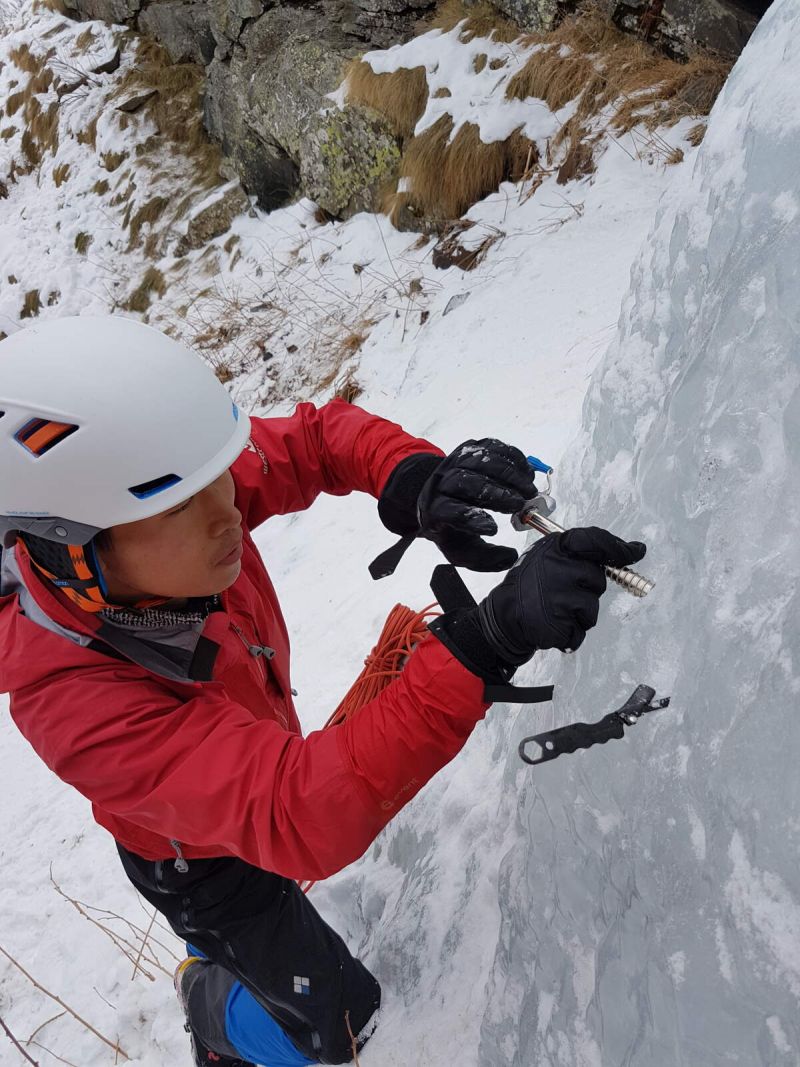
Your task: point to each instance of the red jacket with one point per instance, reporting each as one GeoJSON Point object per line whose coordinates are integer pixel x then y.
{"type": "Point", "coordinates": [213, 758]}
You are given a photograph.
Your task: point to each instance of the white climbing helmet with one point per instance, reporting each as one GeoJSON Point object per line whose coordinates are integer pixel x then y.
{"type": "Point", "coordinates": [105, 421]}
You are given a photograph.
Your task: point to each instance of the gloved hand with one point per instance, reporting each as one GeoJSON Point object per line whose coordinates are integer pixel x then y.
{"type": "Point", "coordinates": [549, 599]}
{"type": "Point", "coordinates": [443, 499]}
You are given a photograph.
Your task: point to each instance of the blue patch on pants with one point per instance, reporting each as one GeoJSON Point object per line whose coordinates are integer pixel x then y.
{"type": "Point", "coordinates": [253, 1032]}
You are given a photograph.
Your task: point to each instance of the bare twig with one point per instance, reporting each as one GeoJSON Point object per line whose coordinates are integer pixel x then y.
{"type": "Point", "coordinates": [356, 1060]}
{"type": "Point", "coordinates": [41, 1026]}
{"type": "Point", "coordinates": [50, 1052]}
{"type": "Point", "coordinates": [104, 1000]}
{"type": "Point", "coordinates": [60, 1002]}
{"type": "Point", "coordinates": [142, 946]}
{"type": "Point", "coordinates": [128, 949]}
{"type": "Point", "coordinates": [17, 1045]}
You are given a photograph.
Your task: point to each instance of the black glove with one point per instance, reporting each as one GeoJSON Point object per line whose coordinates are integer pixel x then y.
{"type": "Point", "coordinates": [443, 499]}
{"type": "Point", "coordinates": [549, 599]}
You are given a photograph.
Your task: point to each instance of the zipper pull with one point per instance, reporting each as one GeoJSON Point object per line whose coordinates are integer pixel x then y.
{"type": "Point", "coordinates": [181, 864]}
{"type": "Point", "coordinates": [261, 650]}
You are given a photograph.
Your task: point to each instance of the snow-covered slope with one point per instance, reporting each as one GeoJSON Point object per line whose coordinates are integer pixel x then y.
{"type": "Point", "coordinates": [635, 904]}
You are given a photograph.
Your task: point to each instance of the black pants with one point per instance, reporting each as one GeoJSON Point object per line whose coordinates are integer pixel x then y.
{"type": "Point", "coordinates": [264, 931]}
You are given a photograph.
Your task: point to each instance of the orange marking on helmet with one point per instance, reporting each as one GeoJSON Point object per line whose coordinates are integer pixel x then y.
{"type": "Point", "coordinates": [46, 436]}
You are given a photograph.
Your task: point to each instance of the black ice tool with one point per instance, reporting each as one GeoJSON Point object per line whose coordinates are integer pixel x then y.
{"type": "Point", "coordinates": [578, 735]}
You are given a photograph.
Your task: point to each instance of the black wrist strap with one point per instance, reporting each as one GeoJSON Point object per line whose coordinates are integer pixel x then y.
{"type": "Point", "coordinates": [518, 694]}
{"type": "Point", "coordinates": [452, 593]}
{"type": "Point", "coordinates": [386, 563]}
{"type": "Point", "coordinates": [450, 589]}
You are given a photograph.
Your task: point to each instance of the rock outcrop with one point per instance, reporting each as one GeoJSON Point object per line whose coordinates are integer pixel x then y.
{"type": "Point", "coordinates": [270, 67]}
{"type": "Point", "coordinates": [676, 26]}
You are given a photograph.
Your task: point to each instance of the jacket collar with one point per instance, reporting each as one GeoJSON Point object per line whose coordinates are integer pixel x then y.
{"type": "Point", "coordinates": [181, 654]}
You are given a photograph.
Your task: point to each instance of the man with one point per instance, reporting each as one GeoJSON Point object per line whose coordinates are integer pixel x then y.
{"type": "Point", "coordinates": [148, 662]}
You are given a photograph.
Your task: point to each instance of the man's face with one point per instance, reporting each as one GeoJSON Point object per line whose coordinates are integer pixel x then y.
{"type": "Point", "coordinates": [193, 550]}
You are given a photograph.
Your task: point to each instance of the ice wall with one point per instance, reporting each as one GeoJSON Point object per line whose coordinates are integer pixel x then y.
{"type": "Point", "coordinates": [651, 898]}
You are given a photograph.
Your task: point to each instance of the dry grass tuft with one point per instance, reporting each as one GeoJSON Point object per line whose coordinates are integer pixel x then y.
{"type": "Point", "coordinates": [147, 214]}
{"type": "Point", "coordinates": [23, 58]}
{"type": "Point", "coordinates": [112, 160]}
{"type": "Point", "coordinates": [44, 127]}
{"type": "Point", "coordinates": [59, 7]}
{"type": "Point", "coordinates": [177, 110]}
{"type": "Point", "coordinates": [152, 282]}
{"type": "Point", "coordinates": [101, 187]}
{"type": "Point", "coordinates": [675, 91]}
{"type": "Point", "coordinates": [15, 102]}
{"type": "Point", "coordinates": [401, 96]}
{"type": "Point", "coordinates": [40, 82]}
{"type": "Point", "coordinates": [479, 62]}
{"type": "Point", "coordinates": [85, 39]}
{"type": "Point", "coordinates": [347, 388]}
{"type": "Point", "coordinates": [479, 20]}
{"type": "Point", "coordinates": [88, 135]}
{"type": "Point", "coordinates": [445, 176]}
{"type": "Point", "coordinates": [604, 66]}
{"type": "Point", "coordinates": [60, 174]}
{"type": "Point", "coordinates": [82, 242]}
{"type": "Point", "coordinates": [696, 134]}
{"type": "Point", "coordinates": [8, 133]}
{"type": "Point", "coordinates": [552, 77]}
{"type": "Point", "coordinates": [32, 306]}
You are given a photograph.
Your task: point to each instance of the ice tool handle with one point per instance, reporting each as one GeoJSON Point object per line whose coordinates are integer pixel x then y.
{"type": "Point", "coordinates": [578, 735]}
{"type": "Point", "coordinates": [535, 515]}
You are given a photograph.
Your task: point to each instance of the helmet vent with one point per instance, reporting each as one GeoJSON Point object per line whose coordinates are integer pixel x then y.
{"type": "Point", "coordinates": [158, 485]}
{"type": "Point", "coordinates": [38, 436]}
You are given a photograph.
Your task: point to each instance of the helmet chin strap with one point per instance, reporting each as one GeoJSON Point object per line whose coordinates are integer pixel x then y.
{"type": "Point", "coordinates": [76, 571]}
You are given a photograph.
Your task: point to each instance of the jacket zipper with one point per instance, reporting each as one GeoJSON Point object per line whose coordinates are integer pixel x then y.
{"type": "Point", "coordinates": [257, 651]}
{"type": "Point", "coordinates": [260, 653]}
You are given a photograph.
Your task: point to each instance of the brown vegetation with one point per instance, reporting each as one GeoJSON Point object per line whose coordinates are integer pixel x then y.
{"type": "Point", "coordinates": [32, 305]}
{"type": "Point", "coordinates": [551, 77]}
{"type": "Point", "coordinates": [85, 39]}
{"type": "Point", "coordinates": [23, 58]}
{"type": "Point", "coordinates": [479, 20]}
{"type": "Point", "coordinates": [605, 67]}
{"type": "Point", "coordinates": [401, 96]}
{"type": "Point", "coordinates": [616, 81]}
{"type": "Point", "coordinates": [111, 160]}
{"type": "Point", "coordinates": [147, 214]}
{"type": "Point", "coordinates": [89, 134]}
{"type": "Point", "coordinates": [347, 388]}
{"type": "Point", "coordinates": [152, 282]}
{"type": "Point", "coordinates": [82, 242]}
{"type": "Point", "coordinates": [447, 176]}
{"type": "Point", "coordinates": [60, 174]}
{"type": "Point", "coordinates": [176, 110]}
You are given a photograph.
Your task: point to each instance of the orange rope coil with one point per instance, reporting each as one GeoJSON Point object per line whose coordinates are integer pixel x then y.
{"type": "Point", "coordinates": [403, 630]}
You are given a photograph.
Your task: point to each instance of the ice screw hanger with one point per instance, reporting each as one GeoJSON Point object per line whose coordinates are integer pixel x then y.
{"type": "Point", "coordinates": [554, 743]}
{"type": "Point", "coordinates": [535, 515]}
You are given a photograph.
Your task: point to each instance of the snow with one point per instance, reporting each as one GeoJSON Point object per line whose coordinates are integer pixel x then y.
{"type": "Point", "coordinates": [638, 903]}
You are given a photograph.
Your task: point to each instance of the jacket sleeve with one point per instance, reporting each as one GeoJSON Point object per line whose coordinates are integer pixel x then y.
{"type": "Point", "coordinates": [333, 449]}
{"type": "Point", "coordinates": [206, 773]}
